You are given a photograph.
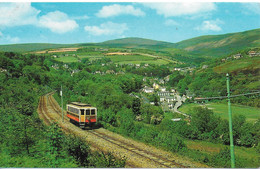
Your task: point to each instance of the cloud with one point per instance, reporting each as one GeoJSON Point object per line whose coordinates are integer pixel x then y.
{"type": "Point", "coordinates": [57, 22]}
{"type": "Point", "coordinates": [181, 9]}
{"type": "Point", "coordinates": [84, 17]}
{"type": "Point", "coordinates": [170, 22]}
{"type": "Point", "coordinates": [8, 38]}
{"type": "Point", "coordinates": [19, 14]}
{"type": "Point", "coordinates": [251, 7]}
{"type": "Point", "coordinates": [211, 25]}
{"type": "Point", "coordinates": [108, 28]}
{"type": "Point", "coordinates": [16, 14]}
{"type": "Point", "coordinates": [115, 10]}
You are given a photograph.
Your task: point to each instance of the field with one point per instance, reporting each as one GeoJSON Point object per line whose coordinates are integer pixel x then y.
{"type": "Point", "coordinates": [136, 59]}
{"type": "Point", "coordinates": [221, 109]}
{"type": "Point", "coordinates": [67, 59]}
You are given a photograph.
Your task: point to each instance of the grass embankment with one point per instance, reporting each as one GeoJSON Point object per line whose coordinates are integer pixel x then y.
{"type": "Point", "coordinates": [238, 65]}
{"type": "Point", "coordinates": [202, 150]}
{"type": "Point", "coordinates": [221, 109]}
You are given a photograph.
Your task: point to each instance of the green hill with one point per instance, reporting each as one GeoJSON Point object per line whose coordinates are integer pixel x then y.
{"type": "Point", "coordinates": [221, 45]}
{"type": "Point", "coordinates": [203, 47]}
{"type": "Point", "coordinates": [137, 43]}
{"type": "Point", "coordinates": [28, 47]}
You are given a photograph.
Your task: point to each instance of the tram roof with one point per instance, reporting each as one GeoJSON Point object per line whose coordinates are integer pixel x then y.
{"type": "Point", "coordinates": [80, 105]}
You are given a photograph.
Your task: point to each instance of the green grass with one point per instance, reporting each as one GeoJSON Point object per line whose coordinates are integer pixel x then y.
{"type": "Point", "coordinates": [136, 59]}
{"type": "Point", "coordinates": [67, 59]}
{"type": "Point", "coordinates": [156, 62]}
{"type": "Point", "coordinates": [209, 148]}
{"type": "Point", "coordinates": [120, 58]}
{"type": "Point", "coordinates": [221, 109]}
{"type": "Point", "coordinates": [240, 64]}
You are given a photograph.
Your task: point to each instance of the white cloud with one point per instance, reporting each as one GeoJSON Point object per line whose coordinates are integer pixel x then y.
{"type": "Point", "coordinates": [19, 14]}
{"type": "Point", "coordinates": [84, 17]}
{"type": "Point", "coordinates": [115, 10]}
{"type": "Point", "coordinates": [57, 22]}
{"type": "Point", "coordinates": [16, 14]}
{"type": "Point", "coordinates": [180, 9]}
{"type": "Point", "coordinates": [251, 7]}
{"type": "Point", "coordinates": [211, 25]}
{"type": "Point", "coordinates": [8, 38]}
{"type": "Point", "coordinates": [12, 39]}
{"type": "Point", "coordinates": [170, 22]}
{"type": "Point", "coordinates": [108, 28]}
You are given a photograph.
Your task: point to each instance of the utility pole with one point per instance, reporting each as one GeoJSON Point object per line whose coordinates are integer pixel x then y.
{"type": "Point", "coordinates": [230, 126]}
{"type": "Point", "coordinates": [61, 104]}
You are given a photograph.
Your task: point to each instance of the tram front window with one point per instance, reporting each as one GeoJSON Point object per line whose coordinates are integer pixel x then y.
{"type": "Point", "coordinates": [93, 112]}
{"type": "Point", "coordinates": [82, 111]}
{"type": "Point", "coordinates": [88, 112]}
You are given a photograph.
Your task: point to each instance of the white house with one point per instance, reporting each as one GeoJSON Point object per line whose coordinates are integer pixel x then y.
{"type": "Point", "coordinates": [148, 89]}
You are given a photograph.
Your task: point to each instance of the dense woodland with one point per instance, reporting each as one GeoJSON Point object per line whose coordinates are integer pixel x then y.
{"type": "Point", "coordinates": [26, 142]}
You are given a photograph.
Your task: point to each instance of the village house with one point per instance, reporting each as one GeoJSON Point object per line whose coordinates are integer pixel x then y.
{"type": "Point", "coordinates": [155, 86]}
{"type": "Point", "coordinates": [177, 69]}
{"type": "Point", "coordinates": [205, 66]}
{"type": "Point", "coordinates": [161, 81]}
{"type": "Point", "coordinates": [170, 99]}
{"type": "Point", "coordinates": [148, 89]}
{"type": "Point", "coordinates": [3, 70]}
{"type": "Point", "coordinates": [110, 72]}
{"type": "Point", "coordinates": [120, 73]}
{"type": "Point", "coordinates": [74, 71]}
{"type": "Point", "coordinates": [66, 66]}
{"type": "Point", "coordinates": [163, 89]}
{"type": "Point", "coordinates": [252, 53]}
{"type": "Point", "coordinates": [167, 78]}
{"type": "Point", "coordinates": [163, 93]}
{"type": "Point", "coordinates": [237, 56]}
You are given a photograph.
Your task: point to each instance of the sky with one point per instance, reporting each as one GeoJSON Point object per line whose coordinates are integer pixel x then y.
{"type": "Point", "coordinates": [83, 22]}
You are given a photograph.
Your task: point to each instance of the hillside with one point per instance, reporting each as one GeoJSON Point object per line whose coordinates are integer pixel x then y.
{"type": "Point", "coordinates": [28, 47]}
{"type": "Point", "coordinates": [136, 43]}
{"type": "Point", "coordinates": [198, 49]}
{"type": "Point", "coordinates": [220, 45]}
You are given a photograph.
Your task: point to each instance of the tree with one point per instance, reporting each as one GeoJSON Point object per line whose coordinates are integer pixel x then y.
{"type": "Point", "coordinates": [136, 106]}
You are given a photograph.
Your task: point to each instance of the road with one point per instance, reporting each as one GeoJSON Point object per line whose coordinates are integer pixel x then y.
{"type": "Point", "coordinates": [178, 104]}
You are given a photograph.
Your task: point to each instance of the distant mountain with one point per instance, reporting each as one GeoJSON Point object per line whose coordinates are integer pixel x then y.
{"type": "Point", "coordinates": [220, 45]}
{"type": "Point", "coordinates": [28, 47]}
{"type": "Point", "coordinates": [136, 43]}
{"type": "Point", "coordinates": [209, 46]}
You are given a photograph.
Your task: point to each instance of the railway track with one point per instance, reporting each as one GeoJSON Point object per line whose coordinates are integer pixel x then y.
{"type": "Point", "coordinates": [47, 102]}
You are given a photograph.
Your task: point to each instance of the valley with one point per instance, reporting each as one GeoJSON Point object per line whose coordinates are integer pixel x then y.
{"type": "Point", "coordinates": [146, 93]}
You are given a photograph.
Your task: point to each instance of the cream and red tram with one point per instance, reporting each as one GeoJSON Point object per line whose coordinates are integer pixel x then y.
{"type": "Point", "coordinates": [82, 114]}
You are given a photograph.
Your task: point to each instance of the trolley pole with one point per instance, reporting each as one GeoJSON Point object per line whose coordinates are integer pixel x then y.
{"type": "Point", "coordinates": [62, 104]}
{"type": "Point", "coordinates": [230, 126]}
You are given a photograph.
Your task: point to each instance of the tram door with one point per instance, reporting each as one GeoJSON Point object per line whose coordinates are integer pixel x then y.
{"type": "Point", "coordinates": [88, 115]}
{"type": "Point", "coordinates": [82, 115]}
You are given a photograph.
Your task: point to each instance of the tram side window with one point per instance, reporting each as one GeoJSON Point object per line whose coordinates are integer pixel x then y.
{"type": "Point", "coordinates": [93, 112]}
{"type": "Point", "coordinates": [82, 111]}
{"type": "Point", "coordinates": [88, 112]}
